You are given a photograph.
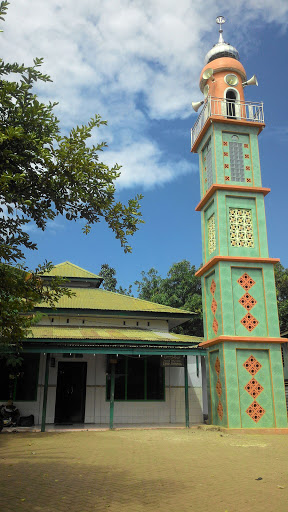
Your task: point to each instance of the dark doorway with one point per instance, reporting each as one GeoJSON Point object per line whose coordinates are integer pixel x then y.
{"type": "Point", "coordinates": [230, 102]}
{"type": "Point", "coordinates": [70, 393]}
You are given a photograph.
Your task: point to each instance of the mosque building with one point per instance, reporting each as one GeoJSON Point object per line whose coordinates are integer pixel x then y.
{"type": "Point", "coordinates": [108, 359]}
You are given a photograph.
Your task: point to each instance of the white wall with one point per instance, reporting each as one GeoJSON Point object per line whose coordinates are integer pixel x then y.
{"type": "Point", "coordinates": [90, 321]}
{"type": "Point", "coordinates": [172, 410]}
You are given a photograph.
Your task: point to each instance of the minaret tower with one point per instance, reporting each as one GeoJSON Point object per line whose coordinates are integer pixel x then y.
{"type": "Point", "coordinates": [241, 327]}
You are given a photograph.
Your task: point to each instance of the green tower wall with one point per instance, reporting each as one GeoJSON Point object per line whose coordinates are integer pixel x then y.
{"type": "Point", "coordinates": [244, 364]}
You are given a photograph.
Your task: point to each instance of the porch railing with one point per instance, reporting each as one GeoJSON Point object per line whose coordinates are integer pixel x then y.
{"type": "Point", "coordinates": [227, 109]}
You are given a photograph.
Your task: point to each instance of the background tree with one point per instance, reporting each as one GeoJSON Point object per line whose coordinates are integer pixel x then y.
{"type": "Point", "coordinates": [281, 279]}
{"type": "Point", "coordinates": [180, 289]}
{"type": "Point", "coordinates": [110, 282]}
{"type": "Point", "coordinates": [44, 174]}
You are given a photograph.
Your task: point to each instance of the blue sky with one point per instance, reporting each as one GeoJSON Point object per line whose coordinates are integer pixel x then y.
{"type": "Point", "coordinates": [137, 63]}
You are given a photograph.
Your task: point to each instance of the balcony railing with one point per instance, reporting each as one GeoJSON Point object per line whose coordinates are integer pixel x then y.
{"type": "Point", "coordinates": [227, 109]}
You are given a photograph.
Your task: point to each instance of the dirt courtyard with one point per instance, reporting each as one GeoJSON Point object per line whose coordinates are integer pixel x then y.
{"type": "Point", "coordinates": [143, 470]}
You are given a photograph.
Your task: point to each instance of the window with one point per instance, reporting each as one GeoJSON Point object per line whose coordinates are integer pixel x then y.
{"type": "Point", "coordinates": [209, 165]}
{"type": "Point", "coordinates": [24, 386]}
{"type": "Point", "coordinates": [137, 378]}
{"type": "Point", "coordinates": [236, 161]}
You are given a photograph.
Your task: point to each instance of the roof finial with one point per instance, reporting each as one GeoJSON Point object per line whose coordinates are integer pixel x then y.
{"type": "Point", "coordinates": [220, 20]}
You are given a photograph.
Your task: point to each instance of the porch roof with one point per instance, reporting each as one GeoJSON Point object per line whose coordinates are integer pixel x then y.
{"type": "Point", "coordinates": [103, 340]}
{"type": "Point", "coordinates": [108, 333]}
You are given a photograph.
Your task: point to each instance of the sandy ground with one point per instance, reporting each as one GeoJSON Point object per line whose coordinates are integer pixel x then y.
{"type": "Point", "coordinates": [143, 470]}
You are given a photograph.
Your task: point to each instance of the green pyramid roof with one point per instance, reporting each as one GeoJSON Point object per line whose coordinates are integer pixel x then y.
{"type": "Point", "coordinates": [67, 269]}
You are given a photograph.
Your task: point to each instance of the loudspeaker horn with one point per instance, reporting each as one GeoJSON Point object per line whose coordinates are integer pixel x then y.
{"type": "Point", "coordinates": [208, 73]}
{"type": "Point", "coordinates": [196, 105]}
{"type": "Point", "coordinates": [252, 81]}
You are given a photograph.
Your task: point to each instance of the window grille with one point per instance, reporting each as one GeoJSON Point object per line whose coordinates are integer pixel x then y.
{"type": "Point", "coordinates": [236, 161]}
{"type": "Point", "coordinates": [209, 166]}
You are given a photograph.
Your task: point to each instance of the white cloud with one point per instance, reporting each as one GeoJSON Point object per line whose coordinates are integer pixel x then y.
{"type": "Point", "coordinates": [132, 61]}
{"type": "Point", "coordinates": [144, 165]}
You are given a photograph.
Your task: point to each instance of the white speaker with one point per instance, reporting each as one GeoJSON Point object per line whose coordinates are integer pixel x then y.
{"type": "Point", "coordinates": [196, 105]}
{"type": "Point", "coordinates": [252, 81]}
{"type": "Point", "coordinates": [208, 73]}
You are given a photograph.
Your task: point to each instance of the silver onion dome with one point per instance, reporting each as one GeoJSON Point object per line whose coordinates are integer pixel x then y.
{"type": "Point", "coordinates": [221, 49]}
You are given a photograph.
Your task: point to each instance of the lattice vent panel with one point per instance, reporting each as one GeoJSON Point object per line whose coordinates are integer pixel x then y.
{"type": "Point", "coordinates": [241, 227]}
{"type": "Point", "coordinates": [211, 234]}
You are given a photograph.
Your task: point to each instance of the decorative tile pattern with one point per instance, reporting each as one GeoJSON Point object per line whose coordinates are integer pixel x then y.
{"type": "Point", "coordinates": [249, 321]}
{"type": "Point", "coordinates": [220, 410]}
{"type": "Point", "coordinates": [253, 388]}
{"type": "Point", "coordinates": [246, 145]}
{"type": "Point", "coordinates": [247, 301]}
{"type": "Point", "coordinates": [225, 153]}
{"type": "Point", "coordinates": [252, 365]}
{"type": "Point", "coordinates": [246, 156]}
{"type": "Point", "coordinates": [213, 306]}
{"type": "Point", "coordinates": [215, 326]}
{"type": "Point", "coordinates": [246, 281]}
{"type": "Point", "coordinates": [227, 178]}
{"type": "Point", "coordinates": [225, 143]}
{"type": "Point", "coordinates": [255, 411]}
{"type": "Point", "coordinates": [218, 388]}
{"type": "Point", "coordinates": [211, 234]}
{"type": "Point", "coordinates": [248, 180]}
{"type": "Point", "coordinates": [226, 166]}
{"type": "Point", "coordinates": [217, 366]}
{"type": "Point", "coordinates": [241, 227]}
{"type": "Point", "coordinates": [247, 168]}
{"type": "Point", "coordinates": [213, 287]}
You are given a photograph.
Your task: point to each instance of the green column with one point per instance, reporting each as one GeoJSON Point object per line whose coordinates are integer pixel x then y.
{"type": "Point", "coordinates": [112, 391]}
{"type": "Point", "coordinates": [44, 406]}
{"type": "Point", "coordinates": [186, 392]}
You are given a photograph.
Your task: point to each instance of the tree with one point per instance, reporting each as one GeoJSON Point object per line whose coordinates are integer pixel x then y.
{"type": "Point", "coordinates": [281, 280]}
{"type": "Point", "coordinates": [110, 282]}
{"type": "Point", "coordinates": [44, 174]}
{"type": "Point", "coordinates": [180, 289]}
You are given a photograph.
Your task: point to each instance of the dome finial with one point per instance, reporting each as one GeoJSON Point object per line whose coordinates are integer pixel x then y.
{"type": "Point", "coordinates": [220, 20]}
{"type": "Point", "coordinates": [221, 49]}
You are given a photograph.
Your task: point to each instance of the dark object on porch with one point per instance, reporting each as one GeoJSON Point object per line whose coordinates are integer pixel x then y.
{"type": "Point", "coordinates": [26, 421]}
{"type": "Point", "coordinates": [9, 414]}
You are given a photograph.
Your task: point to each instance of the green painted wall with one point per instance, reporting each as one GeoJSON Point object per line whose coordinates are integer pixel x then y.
{"type": "Point", "coordinates": [234, 377]}
{"type": "Point", "coordinates": [234, 224]}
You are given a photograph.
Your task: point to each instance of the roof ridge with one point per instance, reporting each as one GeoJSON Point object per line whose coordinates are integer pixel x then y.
{"type": "Point", "coordinates": [76, 266]}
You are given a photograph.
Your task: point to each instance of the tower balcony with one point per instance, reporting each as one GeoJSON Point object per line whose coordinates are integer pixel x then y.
{"type": "Point", "coordinates": [227, 111]}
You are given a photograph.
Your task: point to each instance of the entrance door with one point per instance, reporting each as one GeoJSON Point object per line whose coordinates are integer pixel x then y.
{"type": "Point", "coordinates": [71, 392]}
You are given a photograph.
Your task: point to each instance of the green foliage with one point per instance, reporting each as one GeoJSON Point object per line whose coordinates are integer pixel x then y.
{"type": "Point", "coordinates": [180, 289]}
{"type": "Point", "coordinates": [281, 279]}
{"type": "Point", "coordinates": [44, 174]}
{"type": "Point", "coordinates": [20, 291]}
{"type": "Point", "coordinates": [110, 282]}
